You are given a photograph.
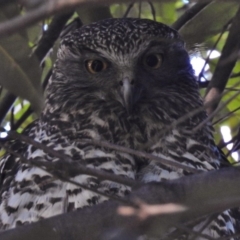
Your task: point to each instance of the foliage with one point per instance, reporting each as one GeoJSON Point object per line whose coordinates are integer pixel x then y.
{"type": "Point", "coordinates": [21, 74]}
{"type": "Point", "coordinates": [27, 54]}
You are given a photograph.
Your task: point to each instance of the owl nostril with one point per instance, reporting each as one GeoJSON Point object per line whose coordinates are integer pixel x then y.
{"type": "Point", "coordinates": [126, 81]}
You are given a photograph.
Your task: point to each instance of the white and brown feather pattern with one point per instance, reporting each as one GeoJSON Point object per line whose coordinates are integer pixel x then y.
{"type": "Point", "coordinates": [84, 106]}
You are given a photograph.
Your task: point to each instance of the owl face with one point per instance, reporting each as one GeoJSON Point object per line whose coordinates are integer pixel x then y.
{"type": "Point", "coordinates": [124, 60]}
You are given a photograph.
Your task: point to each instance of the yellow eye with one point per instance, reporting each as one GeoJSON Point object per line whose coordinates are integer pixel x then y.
{"type": "Point", "coordinates": [95, 66]}
{"type": "Point", "coordinates": [153, 60]}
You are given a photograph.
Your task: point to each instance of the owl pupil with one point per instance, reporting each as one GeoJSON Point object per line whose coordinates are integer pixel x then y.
{"type": "Point", "coordinates": [97, 66]}
{"type": "Point", "coordinates": [152, 61]}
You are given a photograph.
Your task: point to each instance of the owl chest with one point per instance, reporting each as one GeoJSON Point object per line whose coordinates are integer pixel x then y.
{"type": "Point", "coordinates": [147, 133]}
{"type": "Point", "coordinates": [143, 132]}
{"type": "Point", "coordinates": [135, 132]}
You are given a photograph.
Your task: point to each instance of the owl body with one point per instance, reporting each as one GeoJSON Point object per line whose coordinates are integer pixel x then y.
{"type": "Point", "coordinates": [119, 80]}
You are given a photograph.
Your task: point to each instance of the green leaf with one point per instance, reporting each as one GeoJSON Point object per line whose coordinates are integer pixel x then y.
{"type": "Point", "coordinates": [13, 78]}
{"type": "Point", "coordinates": [166, 12]}
{"type": "Point", "coordinates": [208, 22]}
{"type": "Point", "coordinates": [19, 71]}
{"type": "Point", "coordinates": [93, 13]}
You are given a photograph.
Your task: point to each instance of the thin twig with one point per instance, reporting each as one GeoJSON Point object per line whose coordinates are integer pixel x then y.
{"type": "Point", "coordinates": [213, 47]}
{"type": "Point", "coordinates": [171, 163]}
{"type": "Point", "coordinates": [139, 9]}
{"type": "Point", "coordinates": [94, 223]}
{"type": "Point", "coordinates": [130, 6]}
{"type": "Point", "coordinates": [52, 165]}
{"type": "Point", "coordinates": [22, 119]}
{"type": "Point", "coordinates": [194, 233]}
{"type": "Point", "coordinates": [194, 112]}
{"type": "Point", "coordinates": [29, 111]}
{"type": "Point", "coordinates": [203, 84]}
{"type": "Point", "coordinates": [6, 102]}
{"type": "Point", "coordinates": [67, 159]}
{"type": "Point", "coordinates": [233, 236]}
{"type": "Point", "coordinates": [12, 117]}
{"type": "Point", "coordinates": [232, 89]}
{"type": "Point", "coordinates": [205, 225]}
{"type": "Point", "coordinates": [227, 115]}
{"type": "Point", "coordinates": [152, 10]}
{"type": "Point", "coordinates": [43, 47]}
{"type": "Point", "coordinates": [51, 35]}
{"type": "Point", "coordinates": [235, 75]}
{"type": "Point", "coordinates": [226, 62]}
{"type": "Point", "coordinates": [199, 126]}
{"type": "Point", "coordinates": [188, 15]}
{"type": "Point", "coordinates": [47, 9]}
{"type": "Point", "coordinates": [223, 144]}
{"type": "Point", "coordinates": [141, 154]}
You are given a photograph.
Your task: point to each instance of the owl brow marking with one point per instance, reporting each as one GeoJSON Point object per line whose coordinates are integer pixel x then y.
{"type": "Point", "coordinates": [84, 50]}
{"type": "Point", "coordinates": [163, 42]}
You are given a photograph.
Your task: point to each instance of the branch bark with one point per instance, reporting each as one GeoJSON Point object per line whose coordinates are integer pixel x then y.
{"type": "Point", "coordinates": [202, 194]}
{"type": "Point", "coordinates": [225, 64]}
{"type": "Point", "coordinates": [44, 45]}
{"type": "Point", "coordinates": [189, 14]}
{"type": "Point", "coordinates": [16, 136]}
{"type": "Point", "coordinates": [51, 35]}
{"type": "Point", "coordinates": [49, 8]}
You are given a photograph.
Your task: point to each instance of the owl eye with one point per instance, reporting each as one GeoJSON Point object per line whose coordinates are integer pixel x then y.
{"type": "Point", "coordinates": [95, 66]}
{"type": "Point", "coordinates": [153, 60]}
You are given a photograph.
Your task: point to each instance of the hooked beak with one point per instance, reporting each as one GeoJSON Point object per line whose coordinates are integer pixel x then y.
{"type": "Point", "coordinates": [127, 91]}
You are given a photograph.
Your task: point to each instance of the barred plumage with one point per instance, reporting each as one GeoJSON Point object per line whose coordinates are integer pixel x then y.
{"type": "Point", "coordinates": [145, 83]}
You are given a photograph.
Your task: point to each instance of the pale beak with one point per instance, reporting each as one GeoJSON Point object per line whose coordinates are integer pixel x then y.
{"type": "Point", "coordinates": [127, 88]}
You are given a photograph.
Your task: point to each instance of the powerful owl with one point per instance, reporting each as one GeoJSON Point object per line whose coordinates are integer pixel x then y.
{"type": "Point", "coordinates": [124, 81]}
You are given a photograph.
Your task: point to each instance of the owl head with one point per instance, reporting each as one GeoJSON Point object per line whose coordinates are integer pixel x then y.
{"type": "Point", "coordinates": [123, 61]}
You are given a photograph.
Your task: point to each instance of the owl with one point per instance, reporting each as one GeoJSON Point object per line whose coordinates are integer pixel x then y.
{"type": "Point", "coordinates": [124, 81]}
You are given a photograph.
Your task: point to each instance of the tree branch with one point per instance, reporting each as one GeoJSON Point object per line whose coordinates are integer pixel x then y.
{"type": "Point", "coordinates": [51, 35]}
{"type": "Point", "coordinates": [48, 8]}
{"type": "Point", "coordinates": [225, 64]}
{"type": "Point", "coordinates": [5, 104]}
{"type": "Point", "coordinates": [65, 163]}
{"type": "Point", "coordinates": [63, 169]}
{"type": "Point", "coordinates": [45, 44]}
{"type": "Point", "coordinates": [202, 194]}
{"type": "Point", "coordinates": [141, 154]}
{"type": "Point", "coordinates": [189, 14]}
